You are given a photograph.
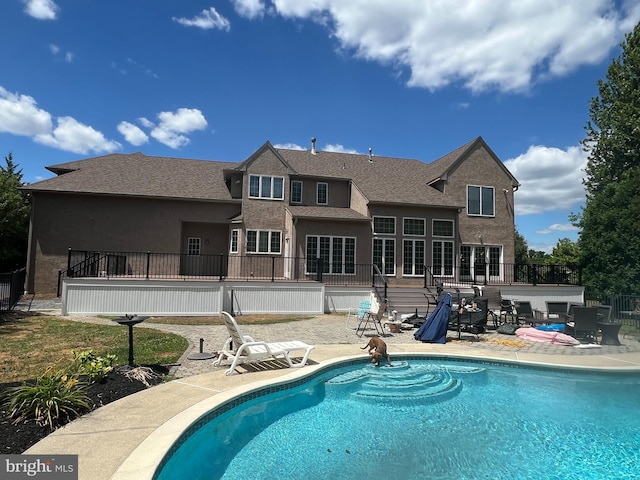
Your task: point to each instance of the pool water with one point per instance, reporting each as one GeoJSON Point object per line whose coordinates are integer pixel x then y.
{"type": "Point", "coordinates": [425, 419]}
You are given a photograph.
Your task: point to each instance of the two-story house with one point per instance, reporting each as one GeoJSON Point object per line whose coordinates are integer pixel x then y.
{"type": "Point", "coordinates": [453, 217]}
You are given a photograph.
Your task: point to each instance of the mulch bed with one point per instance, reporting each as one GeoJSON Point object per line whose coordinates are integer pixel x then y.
{"type": "Point", "coordinates": [15, 439]}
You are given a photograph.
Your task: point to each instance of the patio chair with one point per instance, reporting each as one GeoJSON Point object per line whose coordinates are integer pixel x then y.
{"type": "Point", "coordinates": [556, 310]}
{"type": "Point", "coordinates": [373, 318]}
{"type": "Point", "coordinates": [524, 313]}
{"type": "Point", "coordinates": [583, 323]}
{"type": "Point", "coordinates": [242, 348]}
{"type": "Point", "coordinates": [604, 313]}
{"type": "Point", "coordinates": [354, 315]}
{"type": "Point", "coordinates": [507, 310]}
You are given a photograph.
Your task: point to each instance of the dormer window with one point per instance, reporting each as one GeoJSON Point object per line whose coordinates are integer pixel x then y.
{"type": "Point", "coordinates": [266, 187]}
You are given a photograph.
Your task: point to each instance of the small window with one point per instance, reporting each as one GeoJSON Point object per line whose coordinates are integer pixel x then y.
{"type": "Point", "coordinates": [322, 193]}
{"type": "Point", "coordinates": [384, 225]}
{"type": "Point", "coordinates": [235, 237]}
{"type": "Point", "coordinates": [480, 201]}
{"type": "Point", "coordinates": [414, 227]}
{"type": "Point", "coordinates": [266, 187]}
{"type": "Point", "coordinates": [193, 245]}
{"type": "Point", "coordinates": [263, 241]}
{"type": "Point", "coordinates": [296, 191]}
{"type": "Point", "coordinates": [443, 228]}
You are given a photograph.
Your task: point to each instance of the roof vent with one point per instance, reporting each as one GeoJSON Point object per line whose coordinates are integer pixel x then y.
{"type": "Point", "coordinates": [313, 145]}
{"type": "Point", "coordinates": [370, 155]}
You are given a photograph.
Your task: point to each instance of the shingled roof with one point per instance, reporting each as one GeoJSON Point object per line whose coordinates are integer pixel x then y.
{"type": "Point", "coordinates": [140, 175]}
{"type": "Point", "coordinates": [380, 179]}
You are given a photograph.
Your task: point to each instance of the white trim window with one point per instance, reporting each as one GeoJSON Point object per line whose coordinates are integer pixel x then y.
{"type": "Point", "coordinates": [235, 241]}
{"type": "Point", "coordinates": [480, 201]}
{"type": "Point", "coordinates": [442, 255]}
{"type": "Point", "coordinates": [266, 187]}
{"type": "Point", "coordinates": [322, 193]}
{"type": "Point", "coordinates": [338, 254]}
{"type": "Point", "coordinates": [194, 245]}
{"type": "Point", "coordinates": [384, 225]}
{"type": "Point", "coordinates": [296, 191]}
{"type": "Point", "coordinates": [264, 241]}
{"type": "Point", "coordinates": [414, 227]}
{"type": "Point", "coordinates": [384, 255]}
{"type": "Point", "coordinates": [442, 228]}
{"type": "Point", "coordinates": [413, 257]}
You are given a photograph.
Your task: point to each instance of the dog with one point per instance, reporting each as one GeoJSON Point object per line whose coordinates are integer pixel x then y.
{"type": "Point", "coordinates": [377, 350]}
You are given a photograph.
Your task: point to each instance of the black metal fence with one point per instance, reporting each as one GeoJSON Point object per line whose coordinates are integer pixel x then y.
{"type": "Point", "coordinates": [11, 288]}
{"type": "Point", "coordinates": [625, 309]}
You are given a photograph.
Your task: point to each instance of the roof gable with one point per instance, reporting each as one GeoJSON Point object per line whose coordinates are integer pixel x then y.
{"type": "Point", "coordinates": [243, 166]}
{"type": "Point", "coordinates": [446, 165]}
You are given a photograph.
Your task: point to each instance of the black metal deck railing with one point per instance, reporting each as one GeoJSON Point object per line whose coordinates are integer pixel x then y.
{"type": "Point", "coordinates": [82, 263]}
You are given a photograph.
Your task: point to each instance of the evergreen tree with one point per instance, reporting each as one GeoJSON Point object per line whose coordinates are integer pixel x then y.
{"type": "Point", "coordinates": [14, 218]}
{"type": "Point", "coordinates": [610, 220]}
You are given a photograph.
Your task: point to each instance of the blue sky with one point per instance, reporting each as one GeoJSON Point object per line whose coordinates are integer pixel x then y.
{"type": "Point", "coordinates": [214, 80]}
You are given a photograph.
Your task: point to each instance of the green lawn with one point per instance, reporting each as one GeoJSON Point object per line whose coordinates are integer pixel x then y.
{"type": "Point", "coordinates": [31, 344]}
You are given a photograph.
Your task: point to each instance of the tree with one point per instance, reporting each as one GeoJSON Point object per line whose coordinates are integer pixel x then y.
{"type": "Point", "coordinates": [566, 252]}
{"type": "Point", "coordinates": [521, 249]}
{"type": "Point", "coordinates": [609, 241]}
{"type": "Point", "coordinates": [14, 218]}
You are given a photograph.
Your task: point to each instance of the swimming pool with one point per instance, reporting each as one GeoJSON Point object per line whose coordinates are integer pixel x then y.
{"type": "Point", "coordinates": [422, 419]}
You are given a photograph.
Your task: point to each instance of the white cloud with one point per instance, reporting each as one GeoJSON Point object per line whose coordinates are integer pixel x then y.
{"type": "Point", "coordinates": [338, 148]}
{"type": "Point", "coordinates": [288, 146]}
{"type": "Point", "coordinates": [249, 8]}
{"type": "Point", "coordinates": [173, 126]}
{"type": "Point", "coordinates": [20, 115]}
{"type": "Point", "coordinates": [73, 136]}
{"type": "Point", "coordinates": [132, 133]}
{"type": "Point", "coordinates": [145, 122]}
{"type": "Point", "coordinates": [41, 9]}
{"type": "Point", "coordinates": [55, 50]}
{"type": "Point", "coordinates": [550, 178]}
{"type": "Point", "coordinates": [558, 227]}
{"type": "Point", "coordinates": [207, 19]}
{"type": "Point", "coordinates": [503, 44]}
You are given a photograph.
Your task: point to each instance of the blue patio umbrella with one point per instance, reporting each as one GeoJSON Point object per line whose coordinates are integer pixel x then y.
{"type": "Point", "coordinates": [434, 328]}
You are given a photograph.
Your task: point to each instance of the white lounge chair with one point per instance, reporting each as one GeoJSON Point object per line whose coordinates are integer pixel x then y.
{"type": "Point", "coordinates": [244, 349]}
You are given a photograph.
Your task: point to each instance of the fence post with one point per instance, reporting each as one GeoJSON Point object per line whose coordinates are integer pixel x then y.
{"type": "Point", "coordinates": [273, 268]}
{"type": "Point", "coordinates": [148, 262]}
{"type": "Point", "coordinates": [69, 263]}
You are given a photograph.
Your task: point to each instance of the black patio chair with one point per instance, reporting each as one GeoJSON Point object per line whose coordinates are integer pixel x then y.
{"type": "Point", "coordinates": [556, 310]}
{"type": "Point", "coordinates": [524, 313]}
{"type": "Point", "coordinates": [507, 310]}
{"type": "Point", "coordinates": [583, 324]}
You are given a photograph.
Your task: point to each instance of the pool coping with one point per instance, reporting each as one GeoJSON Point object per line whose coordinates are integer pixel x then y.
{"type": "Point", "coordinates": [127, 439]}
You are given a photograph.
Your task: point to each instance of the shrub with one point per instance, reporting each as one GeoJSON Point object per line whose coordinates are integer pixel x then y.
{"type": "Point", "coordinates": [95, 367]}
{"type": "Point", "coordinates": [54, 397]}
